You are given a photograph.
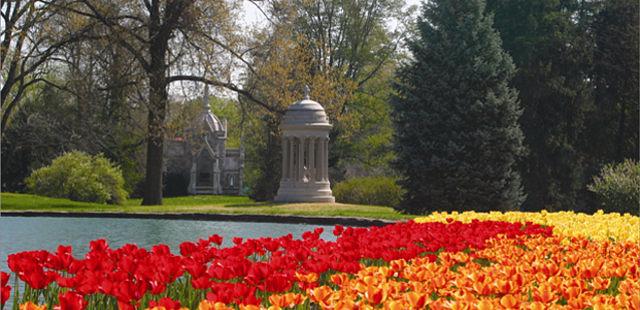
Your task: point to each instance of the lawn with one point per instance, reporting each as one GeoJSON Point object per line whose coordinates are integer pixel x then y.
{"type": "Point", "coordinates": [199, 204]}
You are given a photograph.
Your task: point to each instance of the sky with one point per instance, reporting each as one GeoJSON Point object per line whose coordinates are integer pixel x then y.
{"type": "Point", "coordinates": [253, 16]}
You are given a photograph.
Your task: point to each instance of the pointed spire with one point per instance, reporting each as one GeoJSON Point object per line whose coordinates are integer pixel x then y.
{"type": "Point", "coordinates": [205, 100]}
{"type": "Point", "coordinates": [307, 90]}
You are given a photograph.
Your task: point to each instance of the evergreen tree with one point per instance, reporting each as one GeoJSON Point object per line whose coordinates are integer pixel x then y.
{"type": "Point", "coordinates": [616, 63]}
{"type": "Point", "coordinates": [551, 47]}
{"type": "Point", "coordinates": [457, 134]}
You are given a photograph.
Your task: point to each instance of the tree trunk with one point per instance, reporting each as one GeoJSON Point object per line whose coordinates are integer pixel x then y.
{"type": "Point", "coordinates": [155, 151]}
{"type": "Point", "coordinates": [157, 110]}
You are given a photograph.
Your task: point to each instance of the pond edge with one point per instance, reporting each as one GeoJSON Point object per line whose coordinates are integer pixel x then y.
{"type": "Point", "coordinates": [258, 218]}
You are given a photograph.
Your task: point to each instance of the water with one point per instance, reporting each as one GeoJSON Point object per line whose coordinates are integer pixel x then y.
{"type": "Point", "coordinates": [46, 233]}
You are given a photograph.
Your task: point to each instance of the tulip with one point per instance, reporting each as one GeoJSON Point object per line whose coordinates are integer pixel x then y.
{"type": "Point", "coordinates": [31, 306]}
{"type": "Point", "coordinates": [339, 279]}
{"type": "Point", "coordinates": [320, 295]}
{"type": "Point", "coordinates": [308, 278]}
{"type": "Point", "coordinates": [165, 303]}
{"type": "Point", "coordinates": [376, 295]}
{"type": "Point", "coordinates": [509, 302]}
{"type": "Point", "coordinates": [5, 290]}
{"type": "Point", "coordinates": [72, 301]}
{"type": "Point", "coordinates": [416, 300]}
{"type": "Point", "coordinates": [207, 305]}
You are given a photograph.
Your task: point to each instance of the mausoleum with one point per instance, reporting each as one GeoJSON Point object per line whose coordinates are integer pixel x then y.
{"type": "Point", "coordinates": [305, 153]}
{"type": "Point", "coordinates": [201, 159]}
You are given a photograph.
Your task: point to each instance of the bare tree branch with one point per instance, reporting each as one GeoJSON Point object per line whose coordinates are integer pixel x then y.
{"type": "Point", "coordinates": [227, 85]}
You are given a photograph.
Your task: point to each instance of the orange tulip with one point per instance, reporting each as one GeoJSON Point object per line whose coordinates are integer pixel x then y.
{"type": "Point", "coordinates": [439, 282]}
{"type": "Point", "coordinates": [466, 296]}
{"type": "Point", "coordinates": [536, 306]}
{"type": "Point", "coordinates": [577, 302]}
{"type": "Point", "coordinates": [339, 279]}
{"type": "Point", "coordinates": [600, 283]}
{"type": "Point", "coordinates": [394, 305]}
{"type": "Point", "coordinates": [346, 304]}
{"type": "Point", "coordinates": [503, 286]}
{"type": "Point", "coordinates": [483, 288]}
{"type": "Point", "coordinates": [286, 300]}
{"type": "Point", "coordinates": [544, 294]}
{"type": "Point", "coordinates": [634, 302]}
{"type": "Point", "coordinates": [376, 294]}
{"type": "Point", "coordinates": [277, 300]}
{"type": "Point", "coordinates": [599, 306]}
{"type": "Point", "coordinates": [571, 292]}
{"type": "Point", "coordinates": [416, 300]}
{"type": "Point", "coordinates": [209, 305]}
{"type": "Point", "coordinates": [620, 271]}
{"type": "Point", "coordinates": [398, 265]}
{"type": "Point", "coordinates": [320, 295]}
{"type": "Point", "coordinates": [485, 305]}
{"type": "Point", "coordinates": [509, 302]}
{"type": "Point", "coordinates": [31, 306]}
{"type": "Point", "coordinates": [457, 305]}
{"type": "Point", "coordinates": [308, 278]}
{"type": "Point", "coordinates": [592, 269]}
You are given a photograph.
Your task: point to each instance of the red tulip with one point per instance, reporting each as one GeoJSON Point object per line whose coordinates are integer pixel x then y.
{"type": "Point", "coordinates": [72, 301]}
{"type": "Point", "coordinates": [216, 239]}
{"type": "Point", "coordinates": [166, 302]}
{"type": "Point", "coordinates": [5, 290]}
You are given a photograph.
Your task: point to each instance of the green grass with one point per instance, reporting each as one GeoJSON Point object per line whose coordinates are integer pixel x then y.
{"type": "Point", "coordinates": [199, 204]}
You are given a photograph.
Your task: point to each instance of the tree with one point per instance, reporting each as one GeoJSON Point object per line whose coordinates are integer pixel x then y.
{"type": "Point", "coordinates": [457, 132]}
{"type": "Point", "coordinates": [614, 134]}
{"type": "Point", "coordinates": [551, 47]}
{"type": "Point", "coordinates": [29, 39]}
{"type": "Point", "coordinates": [171, 41]}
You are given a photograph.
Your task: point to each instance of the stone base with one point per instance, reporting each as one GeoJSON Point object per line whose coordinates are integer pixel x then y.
{"type": "Point", "coordinates": [304, 192]}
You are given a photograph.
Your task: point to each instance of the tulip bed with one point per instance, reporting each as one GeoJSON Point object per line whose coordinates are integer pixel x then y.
{"type": "Point", "coordinates": [445, 261]}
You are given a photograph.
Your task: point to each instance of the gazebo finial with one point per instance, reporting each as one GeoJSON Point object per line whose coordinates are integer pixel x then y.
{"type": "Point", "coordinates": [307, 90]}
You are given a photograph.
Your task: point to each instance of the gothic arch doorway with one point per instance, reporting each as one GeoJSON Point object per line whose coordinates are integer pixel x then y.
{"type": "Point", "coordinates": [204, 172]}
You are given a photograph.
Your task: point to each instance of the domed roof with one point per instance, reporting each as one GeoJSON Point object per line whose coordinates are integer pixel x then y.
{"type": "Point", "coordinates": [212, 121]}
{"type": "Point", "coordinates": [306, 105]}
{"type": "Point", "coordinates": [306, 112]}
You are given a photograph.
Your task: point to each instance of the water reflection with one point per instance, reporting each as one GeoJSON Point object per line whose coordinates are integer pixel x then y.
{"type": "Point", "coordinates": [34, 233]}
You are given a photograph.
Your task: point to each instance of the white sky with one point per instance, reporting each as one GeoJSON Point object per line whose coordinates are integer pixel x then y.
{"type": "Point", "coordinates": [253, 16]}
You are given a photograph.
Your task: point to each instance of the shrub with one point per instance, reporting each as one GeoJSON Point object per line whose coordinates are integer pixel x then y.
{"type": "Point", "coordinates": [618, 187]}
{"type": "Point", "coordinates": [79, 176]}
{"type": "Point", "coordinates": [381, 191]}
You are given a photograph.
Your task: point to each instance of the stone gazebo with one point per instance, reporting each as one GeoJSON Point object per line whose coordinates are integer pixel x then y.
{"type": "Point", "coordinates": [305, 154]}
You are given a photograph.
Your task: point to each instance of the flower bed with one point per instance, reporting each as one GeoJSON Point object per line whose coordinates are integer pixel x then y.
{"type": "Point", "coordinates": [600, 226]}
{"type": "Point", "coordinates": [445, 265]}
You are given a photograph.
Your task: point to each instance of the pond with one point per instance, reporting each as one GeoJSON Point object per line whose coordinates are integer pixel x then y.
{"type": "Point", "coordinates": [34, 233]}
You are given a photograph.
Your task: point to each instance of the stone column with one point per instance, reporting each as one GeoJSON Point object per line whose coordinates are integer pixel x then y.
{"type": "Point", "coordinates": [300, 159]}
{"type": "Point", "coordinates": [192, 176]}
{"type": "Point", "coordinates": [312, 164]}
{"type": "Point", "coordinates": [291, 158]}
{"type": "Point", "coordinates": [285, 158]}
{"type": "Point", "coordinates": [320, 160]}
{"type": "Point", "coordinates": [325, 156]}
{"type": "Point", "coordinates": [216, 176]}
